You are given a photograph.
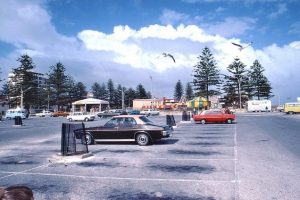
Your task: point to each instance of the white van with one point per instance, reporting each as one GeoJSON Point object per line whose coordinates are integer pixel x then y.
{"type": "Point", "coordinates": [17, 112]}
{"type": "Point", "coordinates": [259, 106]}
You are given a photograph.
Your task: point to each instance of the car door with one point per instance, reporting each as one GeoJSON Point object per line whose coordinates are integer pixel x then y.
{"type": "Point", "coordinates": [109, 130]}
{"type": "Point", "coordinates": [127, 128]}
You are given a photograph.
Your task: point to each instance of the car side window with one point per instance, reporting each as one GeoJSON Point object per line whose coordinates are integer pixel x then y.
{"type": "Point", "coordinates": [129, 121]}
{"type": "Point", "coordinates": [111, 123]}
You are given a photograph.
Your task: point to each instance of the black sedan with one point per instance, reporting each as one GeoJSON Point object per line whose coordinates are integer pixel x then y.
{"type": "Point", "coordinates": [123, 127]}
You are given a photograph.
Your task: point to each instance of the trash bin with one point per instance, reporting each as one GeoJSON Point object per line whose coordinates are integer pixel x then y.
{"type": "Point", "coordinates": [170, 120]}
{"type": "Point", "coordinates": [186, 116]}
{"type": "Point", "coordinates": [73, 139]}
{"type": "Point", "coordinates": [18, 121]}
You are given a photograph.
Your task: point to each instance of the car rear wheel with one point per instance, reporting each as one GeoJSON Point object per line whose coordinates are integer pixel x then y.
{"type": "Point", "coordinates": [86, 119]}
{"type": "Point", "coordinates": [70, 119]}
{"type": "Point", "coordinates": [202, 121]}
{"type": "Point", "coordinates": [229, 121]}
{"type": "Point", "coordinates": [142, 139]}
{"type": "Point", "coordinates": [88, 139]}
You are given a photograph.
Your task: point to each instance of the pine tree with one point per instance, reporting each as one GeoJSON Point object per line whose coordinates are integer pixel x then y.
{"type": "Point", "coordinates": [60, 83]}
{"type": "Point", "coordinates": [141, 92]}
{"type": "Point", "coordinates": [96, 90]}
{"type": "Point", "coordinates": [129, 96]}
{"type": "Point", "coordinates": [260, 85]}
{"type": "Point", "coordinates": [111, 93]}
{"type": "Point", "coordinates": [24, 79]}
{"type": "Point", "coordinates": [206, 75]}
{"type": "Point", "coordinates": [189, 92]}
{"type": "Point", "coordinates": [235, 82]}
{"type": "Point", "coordinates": [178, 93]}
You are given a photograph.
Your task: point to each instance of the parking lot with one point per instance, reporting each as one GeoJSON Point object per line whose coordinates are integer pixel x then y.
{"type": "Point", "coordinates": [197, 162]}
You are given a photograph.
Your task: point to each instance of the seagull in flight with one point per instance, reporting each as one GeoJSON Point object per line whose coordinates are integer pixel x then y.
{"type": "Point", "coordinates": [240, 46]}
{"type": "Point", "coordinates": [169, 55]}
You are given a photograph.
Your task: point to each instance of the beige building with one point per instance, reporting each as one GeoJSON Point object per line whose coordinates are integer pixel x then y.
{"type": "Point", "coordinates": [140, 104]}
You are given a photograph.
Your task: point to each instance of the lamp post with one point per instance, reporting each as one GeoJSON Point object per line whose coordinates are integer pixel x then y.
{"type": "Point", "coordinates": [151, 93]}
{"type": "Point", "coordinates": [123, 96]}
{"type": "Point", "coordinates": [22, 96]}
{"type": "Point", "coordinates": [239, 91]}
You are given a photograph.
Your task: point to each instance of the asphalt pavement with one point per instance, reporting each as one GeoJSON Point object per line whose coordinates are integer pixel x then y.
{"type": "Point", "coordinates": [255, 158]}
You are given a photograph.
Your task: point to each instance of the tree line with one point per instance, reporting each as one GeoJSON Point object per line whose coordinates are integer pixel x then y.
{"type": "Point", "coordinates": [60, 89]}
{"type": "Point", "coordinates": [236, 86]}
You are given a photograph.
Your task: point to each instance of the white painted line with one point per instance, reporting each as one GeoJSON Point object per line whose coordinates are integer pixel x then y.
{"type": "Point", "coordinates": [236, 187]}
{"type": "Point", "coordinates": [126, 178]}
{"type": "Point", "coordinates": [170, 159]}
{"type": "Point", "coordinates": [22, 172]}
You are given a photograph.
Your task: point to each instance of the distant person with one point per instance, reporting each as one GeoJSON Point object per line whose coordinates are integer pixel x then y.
{"type": "Point", "coordinates": [266, 108]}
{"type": "Point", "coordinates": [227, 111]}
{"type": "Point", "coordinates": [16, 193]}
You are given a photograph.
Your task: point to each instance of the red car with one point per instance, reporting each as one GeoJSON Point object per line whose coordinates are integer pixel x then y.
{"type": "Point", "coordinates": [214, 116]}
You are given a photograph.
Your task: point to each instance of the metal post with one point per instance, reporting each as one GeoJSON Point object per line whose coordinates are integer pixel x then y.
{"type": "Point", "coordinates": [123, 95]}
{"type": "Point", "coordinates": [240, 97]}
{"type": "Point", "coordinates": [151, 93]}
{"type": "Point", "coordinates": [22, 98]}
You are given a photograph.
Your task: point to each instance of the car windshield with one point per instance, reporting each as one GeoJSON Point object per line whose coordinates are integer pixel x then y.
{"type": "Point", "coordinates": [146, 120]}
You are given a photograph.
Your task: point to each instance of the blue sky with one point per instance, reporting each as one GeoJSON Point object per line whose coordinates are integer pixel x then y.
{"type": "Point", "coordinates": [124, 39]}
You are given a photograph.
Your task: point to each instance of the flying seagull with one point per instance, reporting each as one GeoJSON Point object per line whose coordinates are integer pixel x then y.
{"type": "Point", "coordinates": [169, 55]}
{"type": "Point", "coordinates": [240, 46]}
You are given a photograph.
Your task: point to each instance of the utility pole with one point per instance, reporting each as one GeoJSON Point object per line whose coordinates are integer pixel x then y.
{"type": "Point", "coordinates": [123, 96]}
{"type": "Point", "coordinates": [22, 96]}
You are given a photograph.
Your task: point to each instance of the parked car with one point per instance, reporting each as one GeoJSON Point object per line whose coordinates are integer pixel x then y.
{"type": "Point", "coordinates": [280, 108]}
{"type": "Point", "coordinates": [60, 114]}
{"type": "Point", "coordinates": [107, 113]}
{"type": "Point", "coordinates": [134, 112]}
{"type": "Point", "coordinates": [150, 112]}
{"type": "Point", "coordinates": [123, 127]}
{"type": "Point", "coordinates": [214, 116]}
{"type": "Point", "coordinates": [44, 113]}
{"type": "Point", "coordinates": [80, 116]}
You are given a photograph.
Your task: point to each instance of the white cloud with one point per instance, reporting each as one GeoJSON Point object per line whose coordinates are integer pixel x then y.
{"type": "Point", "coordinates": [172, 17]}
{"type": "Point", "coordinates": [281, 9]}
{"type": "Point", "coordinates": [295, 28]}
{"type": "Point", "coordinates": [231, 26]}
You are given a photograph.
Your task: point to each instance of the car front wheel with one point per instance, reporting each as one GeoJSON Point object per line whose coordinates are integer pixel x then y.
{"type": "Point", "coordinates": [86, 119]}
{"type": "Point", "coordinates": [202, 121]}
{"type": "Point", "coordinates": [142, 139]}
{"type": "Point", "coordinates": [229, 121]}
{"type": "Point", "coordinates": [70, 119]}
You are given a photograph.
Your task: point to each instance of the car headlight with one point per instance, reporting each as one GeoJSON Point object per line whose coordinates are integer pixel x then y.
{"type": "Point", "coordinates": [165, 133]}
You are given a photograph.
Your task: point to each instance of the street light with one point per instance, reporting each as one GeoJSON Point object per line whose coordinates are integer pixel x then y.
{"type": "Point", "coordinates": [239, 91]}
{"type": "Point", "coordinates": [48, 99]}
{"type": "Point", "coordinates": [22, 95]}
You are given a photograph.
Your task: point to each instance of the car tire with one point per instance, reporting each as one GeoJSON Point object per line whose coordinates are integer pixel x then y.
{"type": "Point", "coordinates": [86, 119]}
{"type": "Point", "coordinates": [290, 112]}
{"type": "Point", "coordinates": [202, 121]}
{"type": "Point", "coordinates": [70, 119]}
{"type": "Point", "coordinates": [142, 139]}
{"type": "Point", "coordinates": [88, 139]}
{"type": "Point", "coordinates": [229, 121]}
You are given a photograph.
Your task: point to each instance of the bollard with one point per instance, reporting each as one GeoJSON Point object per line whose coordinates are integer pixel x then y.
{"type": "Point", "coordinates": [186, 116]}
{"type": "Point", "coordinates": [170, 120]}
{"type": "Point", "coordinates": [18, 121]}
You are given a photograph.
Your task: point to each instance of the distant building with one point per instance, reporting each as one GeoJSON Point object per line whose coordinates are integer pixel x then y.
{"type": "Point", "coordinates": [140, 104]}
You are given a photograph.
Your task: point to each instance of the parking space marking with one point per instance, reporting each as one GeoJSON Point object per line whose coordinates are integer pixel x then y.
{"type": "Point", "coordinates": [176, 159]}
{"type": "Point", "coordinates": [22, 172]}
{"type": "Point", "coordinates": [122, 178]}
{"type": "Point", "coordinates": [236, 175]}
